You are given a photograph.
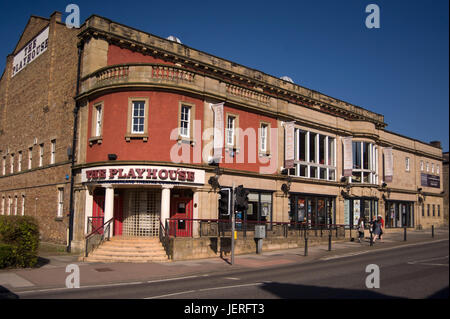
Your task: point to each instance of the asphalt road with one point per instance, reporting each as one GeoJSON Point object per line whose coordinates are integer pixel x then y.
{"type": "Point", "coordinates": [418, 271]}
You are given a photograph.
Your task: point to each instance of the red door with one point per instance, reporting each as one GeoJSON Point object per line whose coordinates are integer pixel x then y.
{"type": "Point", "coordinates": [118, 215]}
{"type": "Point", "coordinates": [181, 210]}
{"type": "Point", "coordinates": [98, 213]}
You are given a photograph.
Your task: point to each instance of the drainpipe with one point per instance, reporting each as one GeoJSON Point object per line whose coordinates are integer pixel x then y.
{"type": "Point", "coordinates": [74, 141]}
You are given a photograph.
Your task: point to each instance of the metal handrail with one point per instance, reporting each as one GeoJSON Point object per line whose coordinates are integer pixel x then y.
{"type": "Point", "coordinates": [101, 236]}
{"type": "Point", "coordinates": [164, 238]}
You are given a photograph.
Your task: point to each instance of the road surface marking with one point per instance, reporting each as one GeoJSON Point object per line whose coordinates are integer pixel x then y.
{"type": "Point", "coordinates": [425, 262]}
{"type": "Point", "coordinates": [81, 287]}
{"type": "Point", "coordinates": [172, 279]}
{"type": "Point", "coordinates": [381, 249]}
{"type": "Point", "coordinates": [14, 280]}
{"type": "Point", "coordinates": [205, 289]}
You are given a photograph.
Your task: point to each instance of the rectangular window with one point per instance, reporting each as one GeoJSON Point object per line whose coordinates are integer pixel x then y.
{"type": "Point", "coordinates": [366, 155]}
{"type": "Point", "coordinates": [9, 205]}
{"type": "Point", "coordinates": [312, 147]}
{"type": "Point", "coordinates": [263, 137]}
{"type": "Point", "coordinates": [331, 143]}
{"type": "Point", "coordinates": [432, 168]}
{"type": "Point", "coordinates": [434, 213]}
{"type": "Point", "coordinates": [12, 164]}
{"type": "Point", "coordinates": [428, 167]}
{"type": "Point", "coordinates": [23, 205]}
{"type": "Point", "coordinates": [41, 155]}
{"type": "Point", "coordinates": [356, 155]}
{"type": "Point", "coordinates": [230, 130]}
{"type": "Point", "coordinates": [428, 210]}
{"type": "Point", "coordinates": [53, 152]}
{"type": "Point", "coordinates": [138, 117]}
{"type": "Point", "coordinates": [4, 165]}
{"type": "Point", "coordinates": [98, 119]}
{"type": "Point", "coordinates": [407, 164]}
{"type": "Point", "coordinates": [15, 205]}
{"type": "Point", "coordinates": [185, 121]}
{"type": "Point", "coordinates": [423, 210]}
{"type": "Point", "coordinates": [60, 202]}
{"type": "Point", "coordinates": [302, 146]}
{"type": "Point", "coordinates": [3, 205]}
{"type": "Point", "coordinates": [439, 210]}
{"type": "Point", "coordinates": [421, 166]}
{"type": "Point", "coordinates": [30, 157]}
{"type": "Point", "coordinates": [19, 163]}
{"type": "Point", "coordinates": [438, 170]}
{"type": "Point", "coordinates": [322, 147]}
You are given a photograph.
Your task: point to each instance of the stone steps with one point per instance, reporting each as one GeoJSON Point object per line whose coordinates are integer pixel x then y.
{"type": "Point", "coordinates": [129, 249]}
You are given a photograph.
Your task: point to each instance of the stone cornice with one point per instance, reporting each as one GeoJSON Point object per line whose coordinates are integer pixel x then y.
{"type": "Point", "coordinates": [228, 71]}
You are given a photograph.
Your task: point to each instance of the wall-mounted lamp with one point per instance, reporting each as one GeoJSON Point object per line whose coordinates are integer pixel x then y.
{"type": "Point", "coordinates": [112, 157]}
{"type": "Point", "coordinates": [214, 182]}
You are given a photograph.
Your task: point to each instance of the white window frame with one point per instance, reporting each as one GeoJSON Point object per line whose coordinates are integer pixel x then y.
{"type": "Point", "coordinates": [19, 163]}
{"type": "Point", "coordinates": [263, 137]}
{"type": "Point", "coordinates": [428, 167]}
{"type": "Point", "coordinates": [432, 168]}
{"type": "Point", "coordinates": [138, 117]}
{"type": "Point", "coordinates": [372, 164]}
{"type": "Point", "coordinates": [60, 206]}
{"type": "Point", "coordinates": [230, 130]}
{"type": "Point", "coordinates": [30, 158]}
{"type": "Point", "coordinates": [185, 120]}
{"type": "Point", "coordinates": [52, 151]}
{"type": "Point", "coordinates": [407, 164]}
{"type": "Point", "coordinates": [15, 205]}
{"type": "Point", "coordinates": [41, 155]}
{"type": "Point", "coordinates": [438, 170]}
{"type": "Point", "coordinates": [421, 166]}
{"type": "Point", "coordinates": [23, 204]}
{"type": "Point", "coordinates": [12, 164]}
{"type": "Point", "coordinates": [98, 119]}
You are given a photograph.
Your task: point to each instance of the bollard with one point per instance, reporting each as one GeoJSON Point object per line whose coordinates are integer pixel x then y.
{"type": "Point", "coordinates": [306, 246]}
{"type": "Point", "coordinates": [432, 231]}
{"type": "Point", "coordinates": [404, 234]}
{"type": "Point", "coordinates": [371, 239]}
{"type": "Point", "coordinates": [329, 242]}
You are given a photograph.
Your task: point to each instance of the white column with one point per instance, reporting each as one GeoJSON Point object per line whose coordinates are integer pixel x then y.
{"type": "Point", "coordinates": [88, 209]}
{"type": "Point", "coordinates": [109, 206]}
{"type": "Point", "coordinates": [165, 203]}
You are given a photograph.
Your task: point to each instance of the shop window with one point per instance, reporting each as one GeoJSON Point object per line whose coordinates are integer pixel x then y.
{"type": "Point", "coordinates": [137, 126]}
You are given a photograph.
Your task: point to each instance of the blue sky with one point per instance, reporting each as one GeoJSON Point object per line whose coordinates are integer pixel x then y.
{"type": "Point", "coordinates": [400, 70]}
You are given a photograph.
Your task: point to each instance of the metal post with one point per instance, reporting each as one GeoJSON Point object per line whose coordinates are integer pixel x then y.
{"type": "Point", "coordinates": [432, 231]}
{"type": "Point", "coordinates": [371, 238]}
{"type": "Point", "coordinates": [329, 242]}
{"type": "Point", "coordinates": [306, 244]}
{"type": "Point", "coordinates": [404, 233]}
{"type": "Point", "coordinates": [232, 225]}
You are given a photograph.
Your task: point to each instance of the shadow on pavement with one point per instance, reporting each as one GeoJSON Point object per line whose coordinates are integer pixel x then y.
{"type": "Point", "coordinates": [441, 294]}
{"type": "Point", "coordinates": [6, 294]}
{"type": "Point", "coordinates": [291, 291]}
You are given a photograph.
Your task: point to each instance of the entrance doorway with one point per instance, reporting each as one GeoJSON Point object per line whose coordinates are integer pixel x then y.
{"type": "Point", "coordinates": [181, 208]}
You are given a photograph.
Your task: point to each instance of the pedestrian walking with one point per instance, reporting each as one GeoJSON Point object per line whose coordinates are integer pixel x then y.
{"type": "Point", "coordinates": [381, 222]}
{"type": "Point", "coordinates": [376, 226]}
{"type": "Point", "coordinates": [360, 228]}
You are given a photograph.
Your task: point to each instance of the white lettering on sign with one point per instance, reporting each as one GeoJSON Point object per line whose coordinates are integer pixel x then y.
{"type": "Point", "coordinates": [143, 174]}
{"type": "Point", "coordinates": [30, 52]}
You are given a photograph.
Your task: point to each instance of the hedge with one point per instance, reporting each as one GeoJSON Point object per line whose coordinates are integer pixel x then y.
{"type": "Point", "coordinates": [19, 241]}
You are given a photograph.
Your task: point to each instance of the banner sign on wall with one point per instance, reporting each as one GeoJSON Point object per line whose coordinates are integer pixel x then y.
{"type": "Point", "coordinates": [289, 145]}
{"type": "Point", "coordinates": [388, 165]}
{"type": "Point", "coordinates": [30, 52]}
{"type": "Point", "coordinates": [348, 158]}
{"type": "Point", "coordinates": [428, 180]}
{"type": "Point", "coordinates": [218, 131]}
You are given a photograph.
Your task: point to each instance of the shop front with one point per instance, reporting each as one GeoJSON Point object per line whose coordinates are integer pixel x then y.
{"type": "Point", "coordinates": [399, 214]}
{"type": "Point", "coordinates": [314, 210]}
{"type": "Point", "coordinates": [136, 201]}
{"type": "Point", "coordinates": [360, 207]}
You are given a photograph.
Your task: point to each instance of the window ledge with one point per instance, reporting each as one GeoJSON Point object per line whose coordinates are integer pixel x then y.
{"type": "Point", "coordinates": [267, 154]}
{"type": "Point", "coordinates": [95, 139]}
{"type": "Point", "coordinates": [130, 136]}
{"type": "Point", "coordinates": [59, 219]}
{"type": "Point", "coordinates": [237, 150]}
{"type": "Point", "coordinates": [185, 140]}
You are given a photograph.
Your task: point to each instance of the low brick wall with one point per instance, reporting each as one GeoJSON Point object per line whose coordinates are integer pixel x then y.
{"type": "Point", "coordinates": [183, 248]}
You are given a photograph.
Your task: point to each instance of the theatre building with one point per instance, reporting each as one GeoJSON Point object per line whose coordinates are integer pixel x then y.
{"type": "Point", "coordinates": [161, 127]}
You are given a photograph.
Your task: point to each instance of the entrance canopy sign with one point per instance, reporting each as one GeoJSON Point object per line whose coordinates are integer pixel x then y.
{"type": "Point", "coordinates": [143, 174]}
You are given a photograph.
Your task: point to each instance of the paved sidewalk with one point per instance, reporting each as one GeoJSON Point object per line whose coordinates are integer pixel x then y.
{"type": "Point", "coordinates": [53, 274]}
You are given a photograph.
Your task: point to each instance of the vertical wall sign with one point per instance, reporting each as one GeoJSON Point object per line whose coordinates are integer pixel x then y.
{"type": "Point", "coordinates": [218, 131]}
{"type": "Point", "coordinates": [348, 158]}
{"type": "Point", "coordinates": [388, 165]}
{"type": "Point", "coordinates": [289, 145]}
